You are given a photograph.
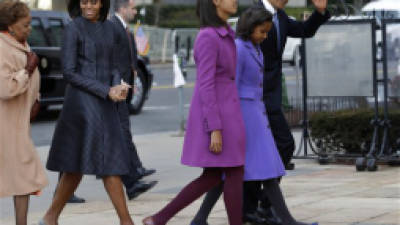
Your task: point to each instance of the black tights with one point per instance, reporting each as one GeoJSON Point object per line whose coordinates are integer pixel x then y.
{"type": "Point", "coordinates": [271, 190]}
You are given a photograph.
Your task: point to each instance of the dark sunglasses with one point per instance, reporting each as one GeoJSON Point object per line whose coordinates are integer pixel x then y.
{"type": "Point", "coordinates": [93, 2]}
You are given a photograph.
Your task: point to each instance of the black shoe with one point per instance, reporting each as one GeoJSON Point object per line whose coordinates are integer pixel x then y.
{"type": "Point", "coordinates": [253, 218]}
{"type": "Point", "coordinates": [76, 199]}
{"type": "Point", "coordinates": [290, 166]}
{"type": "Point", "coordinates": [143, 172]}
{"type": "Point", "coordinates": [139, 188]}
{"type": "Point", "coordinates": [269, 215]}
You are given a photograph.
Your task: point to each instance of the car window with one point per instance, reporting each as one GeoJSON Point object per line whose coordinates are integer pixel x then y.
{"type": "Point", "coordinates": [37, 37]}
{"type": "Point", "coordinates": [56, 29]}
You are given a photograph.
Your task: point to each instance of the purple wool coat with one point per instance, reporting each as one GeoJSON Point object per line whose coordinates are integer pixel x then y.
{"type": "Point", "coordinates": [262, 157]}
{"type": "Point", "coordinates": [215, 103]}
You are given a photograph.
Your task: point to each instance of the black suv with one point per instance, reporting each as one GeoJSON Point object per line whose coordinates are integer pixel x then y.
{"type": "Point", "coordinates": [46, 39]}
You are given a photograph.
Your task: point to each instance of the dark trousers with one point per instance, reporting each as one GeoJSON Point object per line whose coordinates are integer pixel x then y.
{"type": "Point", "coordinates": [130, 179]}
{"type": "Point", "coordinates": [251, 196]}
{"type": "Point", "coordinates": [130, 81]}
{"type": "Point", "coordinates": [285, 143]}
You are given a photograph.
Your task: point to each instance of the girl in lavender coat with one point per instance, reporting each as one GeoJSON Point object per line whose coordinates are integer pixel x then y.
{"type": "Point", "coordinates": [263, 162]}
{"type": "Point", "coordinates": [215, 135]}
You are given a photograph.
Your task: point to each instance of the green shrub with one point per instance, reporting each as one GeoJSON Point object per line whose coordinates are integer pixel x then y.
{"type": "Point", "coordinates": [345, 131]}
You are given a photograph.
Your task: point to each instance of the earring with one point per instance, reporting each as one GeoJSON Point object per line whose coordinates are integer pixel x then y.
{"type": "Point", "coordinates": [11, 32]}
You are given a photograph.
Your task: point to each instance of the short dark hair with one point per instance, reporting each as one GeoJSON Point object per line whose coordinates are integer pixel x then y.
{"type": "Point", "coordinates": [11, 12]}
{"type": "Point", "coordinates": [250, 19]}
{"type": "Point", "coordinates": [74, 9]}
{"type": "Point", "coordinates": [207, 13]}
{"type": "Point", "coordinates": [118, 4]}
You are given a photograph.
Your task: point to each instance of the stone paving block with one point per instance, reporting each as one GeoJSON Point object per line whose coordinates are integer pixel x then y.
{"type": "Point", "coordinates": [391, 218]}
{"type": "Point", "coordinates": [349, 215]}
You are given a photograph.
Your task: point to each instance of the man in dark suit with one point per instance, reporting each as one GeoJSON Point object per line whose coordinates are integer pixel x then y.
{"type": "Point", "coordinates": [125, 12]}
{"type": "Point", "coordinates": [272, 49]}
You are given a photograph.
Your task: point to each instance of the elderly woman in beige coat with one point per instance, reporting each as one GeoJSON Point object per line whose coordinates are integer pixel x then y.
{"type": "Point", "coordinates": [21, 172]}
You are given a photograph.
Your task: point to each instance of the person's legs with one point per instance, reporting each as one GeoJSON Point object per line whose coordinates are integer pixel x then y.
{"type": "Point", "coordinates": [66, 187]}
{"type": "Point", "coordinates": [21, 205]}
{"type": "Point", "coordinates": [233, 192]}
{"type": "Point", "coordinates": [113, 185]}
{"type": "Point", "coordinates": [208, 203]}
{"type": "Point", "coordinates": [275, 196]}
{"type": "Point", "coordinates": [210, 178]}
{"type": "Point", "coordinates": [251, 195]}
{"type": "Point", "coordinates": [74, 198]}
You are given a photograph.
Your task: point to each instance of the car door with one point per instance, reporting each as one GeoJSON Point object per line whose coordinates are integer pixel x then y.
{"type": "Point", "coordinates": [45, 41]}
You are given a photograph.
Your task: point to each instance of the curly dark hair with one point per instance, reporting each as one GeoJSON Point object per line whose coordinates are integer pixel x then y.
{"type": "Point", "coordinates": [11, 12]}
{"type": "Point", "coordinates": [74, 9]}
{"type": "Point", "coordinates": [250, 19]}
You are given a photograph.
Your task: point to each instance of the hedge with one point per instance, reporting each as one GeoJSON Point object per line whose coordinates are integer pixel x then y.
{"type": "Point", "coordinates": [346, 131]}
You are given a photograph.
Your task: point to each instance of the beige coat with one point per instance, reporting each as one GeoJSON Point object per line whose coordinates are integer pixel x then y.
{"type": "Point", "coordinates": [21, 171]}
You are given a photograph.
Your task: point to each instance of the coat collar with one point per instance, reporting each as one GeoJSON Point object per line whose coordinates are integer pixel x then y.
{"type": "Point", "coordinates": [224, 31]}
{"type": "Point", "coordinates": [12, 42]}
{"type": "Point", "coordinates": [253, 51]}
{"type": "Point", "coordinates": [122, 22]}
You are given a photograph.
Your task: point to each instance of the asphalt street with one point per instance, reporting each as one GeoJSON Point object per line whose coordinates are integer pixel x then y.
{"type": "Point", "coordinates": [160, 112]}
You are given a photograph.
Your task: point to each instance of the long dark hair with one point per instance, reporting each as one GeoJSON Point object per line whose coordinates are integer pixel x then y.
{"type": "Point", "coordinates": [207, 13]}
{"type": "Point", "coordinates": [74, 9]}
{"type": "Point", "coordinates": [250, 19]}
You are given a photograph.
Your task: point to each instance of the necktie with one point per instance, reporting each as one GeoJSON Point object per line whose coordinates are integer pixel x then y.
{"type": "Point", "coordinates": [278, 32]}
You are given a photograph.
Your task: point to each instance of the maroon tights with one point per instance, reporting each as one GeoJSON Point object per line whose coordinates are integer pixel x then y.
{"type": "Point", "coordinates": [233, 189]}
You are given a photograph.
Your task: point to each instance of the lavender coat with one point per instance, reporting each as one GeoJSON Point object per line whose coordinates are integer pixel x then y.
{"type": "Point", "coordinates": [215, 103]}
{"type": "Point", "coordinates": [262, 158]}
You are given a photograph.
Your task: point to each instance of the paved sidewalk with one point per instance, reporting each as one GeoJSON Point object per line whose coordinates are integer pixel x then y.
{"type": "Point", "coordinates": [331, 194]}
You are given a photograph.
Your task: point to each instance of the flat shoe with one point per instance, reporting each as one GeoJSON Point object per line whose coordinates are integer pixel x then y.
{"type": "Point", "coordinates": [148, 221]}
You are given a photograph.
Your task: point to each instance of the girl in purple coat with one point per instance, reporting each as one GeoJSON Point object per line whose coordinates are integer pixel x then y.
{"type": "Point", "coordinates": [215, 135]}
{"type": "Point", "coordinates": [263, 162]}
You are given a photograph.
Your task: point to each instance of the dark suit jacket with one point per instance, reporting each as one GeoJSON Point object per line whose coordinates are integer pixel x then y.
{"type": "Point", "coordinates": [126, 58]}
{"type": "Point", "coordinates": [272, 92]}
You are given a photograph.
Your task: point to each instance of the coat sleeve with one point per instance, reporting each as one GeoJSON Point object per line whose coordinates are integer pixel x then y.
{"type": "Point", "coordinates": [116, 73]}
{"type": "Point", "coordinates": [12, 83]}
{"type": "Point", "coordinates": [70, 69]}
{"type": "Point", "coordinates": [308, 28]}
{"type": "Point", "coordinates": [206, 52]}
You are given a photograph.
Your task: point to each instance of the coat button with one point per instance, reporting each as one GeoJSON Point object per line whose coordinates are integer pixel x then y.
{"type": "Point", "coordinates": [232, 78]}
{"type": "Point", "coordinates": [261, 85]}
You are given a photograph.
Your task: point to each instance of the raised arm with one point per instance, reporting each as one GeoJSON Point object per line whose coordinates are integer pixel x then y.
{"type": "Point", "coordinates": [308, 28]}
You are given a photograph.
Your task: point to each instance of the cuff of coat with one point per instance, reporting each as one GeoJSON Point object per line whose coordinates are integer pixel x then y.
{"type": "Point", "coordinates": [212, 124]}
{"type": "Point", "coordinates": [103, 91]}
{"type": "Point", "coordinates": [325, 15]}
{"type": "Point", "coordinates": [22, 77]}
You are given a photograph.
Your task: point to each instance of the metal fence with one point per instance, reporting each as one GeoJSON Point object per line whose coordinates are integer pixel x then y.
{"type": "Point", "coordinates": [162, 42]}
{"type": "Point", "coordinates": [294, 111]}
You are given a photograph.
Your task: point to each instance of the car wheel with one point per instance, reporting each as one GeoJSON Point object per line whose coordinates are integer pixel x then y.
{"type": "Point", "coordinates": [140, 94]}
